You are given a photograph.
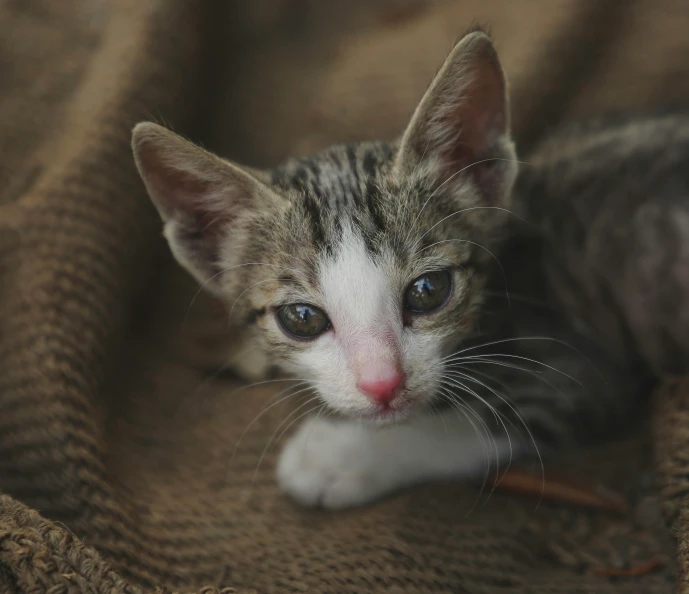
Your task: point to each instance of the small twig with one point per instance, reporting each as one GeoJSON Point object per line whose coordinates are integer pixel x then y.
{"type": "Point", "coordinates": [562, 489]}
{"type": "Point", "coordinates": [673, 380]}
{"type": "Point", "coordinates": [653, 564]}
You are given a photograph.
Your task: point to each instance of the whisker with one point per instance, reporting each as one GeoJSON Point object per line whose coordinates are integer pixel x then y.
{"type": "Point", "coordinates": [468, 377]}
{"type": "Point", "coordinates": [265, 449]}
{"type": "Point", "coordinates": [486, 359]}
{"type": "Point", "coordinates": [265, 410]}
{"type": "Point", "coordinates": [472, 393]}
{"type": "Point", "coordinates": [457, 384]}
{"type": "Point", "coordinates": [460, 407]}
{"type": "Point", "coordinates": [321, 407]}
{"type": "Point", "coordinates": [529, 338]}
{"type": "Point", "coordinates": [203, 285]}
{"type": "Point", "coordinates": [324, 408]}
{"type": "Point", "coordinates": [524, 299]}
{"type": "Point", "coordinates": [202, 385]}
{"type": "Point", "coordinates": [498, 475]}
{"type": "Point", "coordinates": [268, 280]}
{"type": "Point", "coordinates": [451, 178]}
{"type": "Point", "coordinates": [502, 270]}
{"type": "Point", "coordinates": [416, 170]}
{"type": "Point", "coordinates": [478, 361]}
{"type": "Point", "coordinates": [470, 208]}
{"type": "Point", "coordinates": [496, 413]}
{"type": "Point", "coordinates": [265, 382]}
{"type": "Point", "coordinates": [457, 402]}
{"type": "Point", "coordinates": [537, 374]}
{"type": "Point", "coordinates": [439, 414]}
{"type": "Point", "coordinates": [214, 376]}
{"type": "Point", "coordinates": [488, 377]}
{"type": "Point", "coordinates": [519, 417]}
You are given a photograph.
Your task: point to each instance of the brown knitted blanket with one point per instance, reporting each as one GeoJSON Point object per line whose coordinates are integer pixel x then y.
{"type": "Point", "coordinates": [128, 463]}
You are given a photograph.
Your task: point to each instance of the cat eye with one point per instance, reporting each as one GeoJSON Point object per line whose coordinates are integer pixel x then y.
{"type": "Point", "coordinates": [300, 320]}
{"type": "Point", "coordinates": [428, 292]}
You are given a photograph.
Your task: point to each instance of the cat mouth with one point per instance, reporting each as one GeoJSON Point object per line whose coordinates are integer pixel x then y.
{"type": "Point", "coordinates": [389, 414]}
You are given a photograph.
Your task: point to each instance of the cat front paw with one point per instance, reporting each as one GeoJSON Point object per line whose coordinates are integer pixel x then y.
{"type": "Point", "coordinates": [330, 464]}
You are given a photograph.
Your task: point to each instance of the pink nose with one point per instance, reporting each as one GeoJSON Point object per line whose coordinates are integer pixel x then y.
{"type": "Point", "coordinates": [383, 390]}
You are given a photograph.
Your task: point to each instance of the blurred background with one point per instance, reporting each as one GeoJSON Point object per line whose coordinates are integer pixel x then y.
{"type": "Point", "coordinates": [312, 72]}
{"type": "Point", "coordinates": [279, 77]}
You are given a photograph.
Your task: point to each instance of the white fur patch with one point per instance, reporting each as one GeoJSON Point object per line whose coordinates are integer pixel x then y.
{"type": "Point", "coordinates": [338, 464]}
{"type": "Point", "coordinates": [362, 296]}
{"type": "Point", "coordinates": [356, 289]}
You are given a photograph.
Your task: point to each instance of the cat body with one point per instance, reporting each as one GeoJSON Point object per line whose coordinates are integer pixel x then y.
{"type": "Point", "coordinates": [610, 198]}
{"type": "Point", "coordinates": [379, 274]}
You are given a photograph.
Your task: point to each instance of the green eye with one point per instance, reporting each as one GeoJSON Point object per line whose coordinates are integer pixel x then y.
{"type": "Point", "coordinates": [300, 320]}
{"type": "Point", "coordinates": [428, 292]}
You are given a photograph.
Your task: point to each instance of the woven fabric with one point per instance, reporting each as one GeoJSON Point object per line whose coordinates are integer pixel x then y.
{"type": "Point", "coordinates": [128, 462]}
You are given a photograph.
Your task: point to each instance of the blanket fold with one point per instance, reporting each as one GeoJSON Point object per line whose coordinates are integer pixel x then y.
{"type": "Point", "coordinates": [126, 466]}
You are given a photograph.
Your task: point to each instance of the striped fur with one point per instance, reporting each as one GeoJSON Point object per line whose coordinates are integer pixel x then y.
{"type": "Point", "coordinates": [325, 229]}
{"type": "Point", "coordinates": [348, 229]}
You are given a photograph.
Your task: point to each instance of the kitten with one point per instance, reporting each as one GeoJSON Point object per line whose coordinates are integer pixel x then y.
{"type": "Point", "coordinates": [372, 271]}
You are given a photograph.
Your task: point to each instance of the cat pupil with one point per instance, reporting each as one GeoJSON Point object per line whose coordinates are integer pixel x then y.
{"type": "Point", "coordinates": [424, 286]}
{"type": "Point", "coordinates": [428, 292]}
{"type": "Point", "coordinates": [302, 320]}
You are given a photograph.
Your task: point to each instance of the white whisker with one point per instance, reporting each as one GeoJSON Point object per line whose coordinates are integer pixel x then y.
{"type": "Point", "coordinates": [470, 208]}
{"type": "Point", "coordinates": [518, 415]}
{"type": "Point", "coordinates": [455, 399]}
{"type": "Point", "coordinates": [265, 449]}
{"type": "Point", "coordinates": [482, 361]}
{"type": "Point", "coordinates": [502, 270]}
{"type": "Point", "coordinates": [266, 409]}
{"type": "Point", "coordinates": [460, 407]}
{"type": "Point", "coordinates": [203, 285]}
{"type": "Point", "coordinates": [264, 382]}
{"type": "Point", "coordinates": [450, 179]}
{"type": "Point", "coordinates": [489, 406]}
{"type": "Point", "coordinates": [537, 374]}
{"type": "Point", "coordinates": [517, 338]}
{"type": "Point", "coordinates": [321, 407]}
{"type": "Point", "coordinates": [408, 202]}
{"type": "Point", "coordinates": [268, 280]}
{"type": "Point", "coordinates": [487, 358]}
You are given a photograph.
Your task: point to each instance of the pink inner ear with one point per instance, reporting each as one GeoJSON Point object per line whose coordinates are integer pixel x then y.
{"type": "Point", "coordinates": [202, 201]}
{"type": "Point", "coordinates": [476, 118]}
{"type": "Point", "coordinates": [481, 117]}
{"type": "Point", "coordinates": [204, 205]}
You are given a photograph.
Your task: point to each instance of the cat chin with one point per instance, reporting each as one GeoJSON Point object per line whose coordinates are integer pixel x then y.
{"type": "Point", "coordinates": [389, 419]}
{"type": "Point", "coordinates": [382, 418]}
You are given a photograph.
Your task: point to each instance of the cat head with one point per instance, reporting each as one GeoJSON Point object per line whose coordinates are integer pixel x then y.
{"type": "Point", "coordinates": [360, 268]}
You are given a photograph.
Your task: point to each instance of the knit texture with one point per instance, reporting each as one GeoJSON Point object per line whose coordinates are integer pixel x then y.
{"type": "Point", "coordinates": [130, 462]}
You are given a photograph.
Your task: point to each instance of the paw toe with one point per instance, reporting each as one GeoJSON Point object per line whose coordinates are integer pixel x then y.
{"type": "Point", "coordinates": [326, 464]}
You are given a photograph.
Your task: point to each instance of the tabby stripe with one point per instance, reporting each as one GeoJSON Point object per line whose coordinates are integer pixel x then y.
{"type": "Point", "coordinates": [255, 314]}
{"type": "Point", "coordinates": [313, 211]}
{"type": "Point", "coordinates": [374, 206]}
{"type": "Point", "coordinates": [369, 164]}
{"type": "Point", "coordinates": [353, 165]}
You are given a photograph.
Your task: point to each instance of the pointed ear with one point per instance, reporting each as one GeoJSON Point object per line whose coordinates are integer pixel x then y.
{"type": "Point", "coordinates": [461, 127]}
{"type": "Point", "coordinates": [203, 200]}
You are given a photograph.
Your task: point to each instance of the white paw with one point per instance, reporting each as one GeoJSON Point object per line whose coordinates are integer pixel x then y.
{"type": "Point", "coordinates": [331, 463]}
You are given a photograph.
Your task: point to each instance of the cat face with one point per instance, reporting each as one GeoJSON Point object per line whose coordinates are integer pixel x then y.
{"type": "Point", "coordinates": [360, 268]}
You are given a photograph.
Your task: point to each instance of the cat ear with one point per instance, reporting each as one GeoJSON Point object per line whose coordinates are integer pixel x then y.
{"type": "Point", "coordinates": [461, 126]}
{"type": "Point", "coordinates": [203, 200]}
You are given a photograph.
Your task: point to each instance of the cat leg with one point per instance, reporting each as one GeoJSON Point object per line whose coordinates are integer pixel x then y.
{"type": "Point", "coordinates": [343, 463]}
